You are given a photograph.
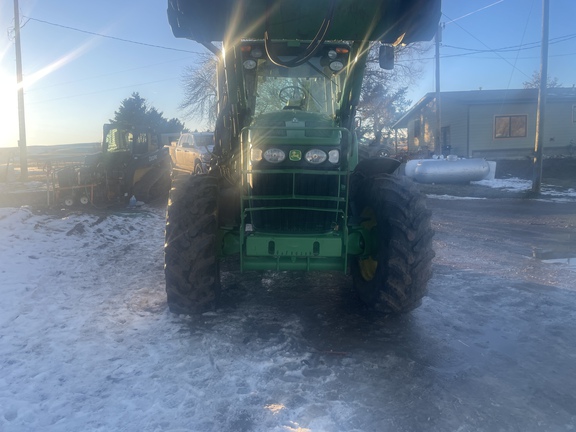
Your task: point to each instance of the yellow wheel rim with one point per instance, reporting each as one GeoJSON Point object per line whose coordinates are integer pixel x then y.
{"type": "Point", "coordinates": [368, 265]}
{"type": "Point", "coordinates": [368, 268]}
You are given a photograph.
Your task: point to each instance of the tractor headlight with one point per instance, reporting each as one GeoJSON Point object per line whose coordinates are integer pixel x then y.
{"type": "Point", "coordinates": [255, 154]}
{"type": "Point", "coordinates": [336, 66]}
{"type": "Point", "coordinates": [315, 156]}
{"type": "Point", "coordinates": [274, 155]}
{"type": "Point", "coordinates": [249, 64]}
{"type": "Point", "coordinates": [334, 156]}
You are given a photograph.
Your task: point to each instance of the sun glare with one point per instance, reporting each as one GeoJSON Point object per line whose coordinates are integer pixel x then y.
{"type": "Point", "coordinates": [275, 408]}
{"type": "Point", "coordinates": [34, 77]}
{"type": "Point", "coordinates": [236, 24]}
{"type": "Point", "coordinates": [8, 110]}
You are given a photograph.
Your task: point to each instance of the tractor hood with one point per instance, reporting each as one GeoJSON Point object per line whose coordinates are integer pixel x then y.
{"type": "Point", "coordinates": [388, 21]}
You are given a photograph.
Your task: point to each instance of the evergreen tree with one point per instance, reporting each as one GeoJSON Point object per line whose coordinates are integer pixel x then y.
{"type": "Point", "coordinates": [135, 112]}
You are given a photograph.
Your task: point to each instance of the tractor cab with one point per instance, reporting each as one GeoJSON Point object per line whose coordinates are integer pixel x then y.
{"type": "Point", "coordinates": [314, 86]}
{"type": "Point", "coordinates": [132, 162]}
{"type": "Point", "coordinates": [134, 141]}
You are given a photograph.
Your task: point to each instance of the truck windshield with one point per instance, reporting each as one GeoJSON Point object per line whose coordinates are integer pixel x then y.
{"type": "Point", "coordinates": [204, 140]}
{"type": "Point", "coordinates": [312, 86]}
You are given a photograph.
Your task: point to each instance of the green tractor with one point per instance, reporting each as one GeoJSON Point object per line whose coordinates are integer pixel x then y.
{"type": "Point", "coordinates": [132, 162]}
{"type": "Point", "coordinates": [286, 190]}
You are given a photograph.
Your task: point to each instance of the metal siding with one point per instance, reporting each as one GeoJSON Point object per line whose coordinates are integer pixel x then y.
{"type": "Point", "coordinates": [560, 129]}
{"type": "Point", "coordinates": [472, 127]}
{"type": "Point", "coordinates": [482, 129]}
{"type": "Point", "coordinates": [454, 115]}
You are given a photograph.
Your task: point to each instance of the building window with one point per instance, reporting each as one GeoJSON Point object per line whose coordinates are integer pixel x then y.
{"type": "Point", "coordinates": [510, 126]}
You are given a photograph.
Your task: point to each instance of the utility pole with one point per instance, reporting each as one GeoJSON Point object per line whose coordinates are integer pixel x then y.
{"type": "Point", "coordinates": [542, 96]}
{"type": "Point", "coordinates": [438, 129]}
{"type": "Point", "coordinates": [21, 117]}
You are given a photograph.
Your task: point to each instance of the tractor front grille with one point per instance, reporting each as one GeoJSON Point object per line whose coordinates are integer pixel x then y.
{"type": "Point", "coordinates": [294, 196]}
{"type": "Point", "coordinates": [295, 203]}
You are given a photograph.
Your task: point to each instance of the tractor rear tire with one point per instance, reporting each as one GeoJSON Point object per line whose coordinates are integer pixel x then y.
{"type": "Point", "coordinates": [394, 278]}
{"type": "Point", "coordinates": [161, 188]}
{"type": "Point", "coordinates": [191, 249]}
{"type": "Point", "coordinates": [154, 184]}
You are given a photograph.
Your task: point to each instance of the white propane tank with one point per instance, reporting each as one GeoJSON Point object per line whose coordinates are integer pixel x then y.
{"type": "Point", "coordinates": [449, 170]}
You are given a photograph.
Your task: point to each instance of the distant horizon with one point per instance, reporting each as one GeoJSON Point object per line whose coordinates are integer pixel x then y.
{"type": "Point", "coordinates": [54, 145]}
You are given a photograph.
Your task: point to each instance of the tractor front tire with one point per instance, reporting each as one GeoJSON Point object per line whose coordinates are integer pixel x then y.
{"type": "Point", "coordinates": [191, 248]}
{"type": "Point", "coordinates": [393, 278]}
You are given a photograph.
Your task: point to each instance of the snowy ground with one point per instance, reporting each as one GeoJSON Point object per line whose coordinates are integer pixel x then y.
{"type": "Point", "coordinates": [517, 185]}
{"type": "Point", "coordinates": [87, 344]}
{"type": "Point", "coordinates": [514, 186]}
{"type": "Point", "coordinates": [69, 319]}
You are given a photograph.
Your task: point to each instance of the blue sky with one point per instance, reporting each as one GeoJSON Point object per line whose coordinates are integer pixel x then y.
{"type": "Point", "coordinates": [74, 81]}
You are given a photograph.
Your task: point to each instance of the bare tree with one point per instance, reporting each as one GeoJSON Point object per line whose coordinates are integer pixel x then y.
{"type": "Point", "coordinates": [200, 90]}
{"type": "Point", "coordinates": [534, 82]}
{"type": "Point", "coordinates": [383, 97]}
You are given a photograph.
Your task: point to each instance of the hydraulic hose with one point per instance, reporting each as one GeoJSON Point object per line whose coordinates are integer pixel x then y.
{"type": "Point", "coordinates": [310, 50]}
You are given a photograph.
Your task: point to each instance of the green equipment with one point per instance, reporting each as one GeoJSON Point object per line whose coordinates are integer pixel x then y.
{"type": "Point", "coordinates": [132, 162]}
{"type": "Point", "coordinates": [286, 190]}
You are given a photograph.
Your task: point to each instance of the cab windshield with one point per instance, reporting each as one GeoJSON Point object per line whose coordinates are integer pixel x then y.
{"type": "Point", "coordinates": [314, 86]}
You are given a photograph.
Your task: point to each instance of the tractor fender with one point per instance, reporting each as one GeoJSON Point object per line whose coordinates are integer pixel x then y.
{"type": "Point", "coordinates": [369, 168]}
{"type": "Point", "coordinates": [365, 171]}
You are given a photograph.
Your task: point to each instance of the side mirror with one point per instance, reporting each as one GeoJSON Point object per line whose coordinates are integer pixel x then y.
{"type": "Point", "coordinates": [386, 57]}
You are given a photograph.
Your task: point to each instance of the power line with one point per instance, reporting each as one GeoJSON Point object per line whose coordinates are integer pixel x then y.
{"type": "Point", "coordinates": [103, 75]}
{"type": "Point", "coordinates": [489, 48]}
{"type": "Point", "coordinates": [110, 37]}
{"type": "Point", "coordinates": [486, 57]}
{"type": "Point", "coordinates": [514, 48]}
{"type": "Point", "coordinates": [517, 55]}
{"type": "Point", "coordinates": [477, 10]}
{"type": "Point", "coordinates": [497, 56]}
{"type": "Point", "coordinates": [113, 38]}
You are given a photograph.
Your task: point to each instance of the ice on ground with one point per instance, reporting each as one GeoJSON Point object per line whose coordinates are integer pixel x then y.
{"type": "Point", "coordinates": [519, 185]}
{"type": "Point", "coordinates": [452, 197]}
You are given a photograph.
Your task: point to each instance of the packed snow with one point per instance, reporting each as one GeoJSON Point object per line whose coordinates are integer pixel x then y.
{"type": "Point", "coordinates": [452, 197]}
{"type": "Point", "coordinates": [514, 184]}
{"type": "Point", "coordinates": [87, 342]}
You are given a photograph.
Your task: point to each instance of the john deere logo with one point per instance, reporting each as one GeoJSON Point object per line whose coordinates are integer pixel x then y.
{"type": "Point", "coordinates": [295, 155]}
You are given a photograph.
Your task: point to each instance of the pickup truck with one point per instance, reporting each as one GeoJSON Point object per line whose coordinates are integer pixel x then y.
{"type": "Point", "coordinates": [192, 152]}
